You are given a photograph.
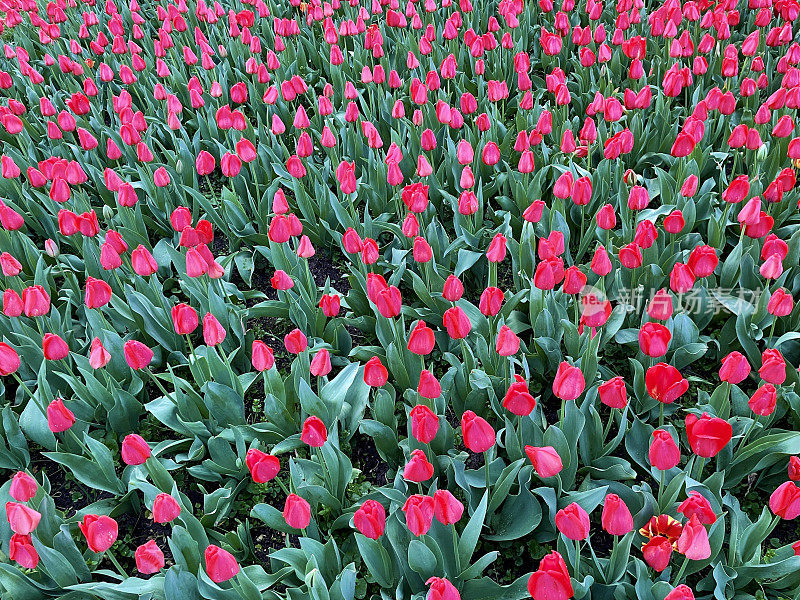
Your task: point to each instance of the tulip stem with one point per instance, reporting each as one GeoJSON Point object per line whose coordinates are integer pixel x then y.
{"type": "Point", "coordinates": [577, 559]}
{"type": "Point", "coordinates": [116, 564]}
{"type": "Point", "coordinates": [324, 467]}
{"type": "Point", "coordinates": [455, 549]}
{"type": "Point", "coordinates": [607, 429]}
{"type": "Point", "coordinates": [771, 330]}
{"type": "Point", "coordinates": [486, 469]}
{"type": "Point", "coordinates": [661, 415]}
{"type": "Point", "coordinates": [749, 431]}
{"type": "Point", "coordinates": [157, 382]}
{"type": "Point", "coordinates": [660, 490]}
{"type": "Point", "coordinates": [282, 486]}
{"type": "Point", "coordinates": [681, 571]}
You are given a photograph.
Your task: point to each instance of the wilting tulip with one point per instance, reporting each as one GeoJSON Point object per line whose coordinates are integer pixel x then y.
{"type": "Point", "coordinates": [418, 468]}
{"type": "Point", "coordinates": [100, 532]}
{"type": "Point", "coordinates": [419, 511]}
{"type": "Point", "coordinates": [370, 519]}
{"type": "Point", "coordinates": [135, 450]}
{"type": "Point", "coordinates": [616, 518]}
{"type": "Point", "coordinates": [165, 508]}
{"type": "Point", "coordinates": [220, 564]}
{"type": "Point", "coordinates": [23, 487]}
{"type": "Point", "coordinates": [149, 558]}
{"type": "Point", "coordinates": [707, 435]}
{"type": "Point", "coordinates": [478, 434]}
{"type": "Point", "coordinates": [314, 432]}
{"type": "Point", "coordinates": [551, 580]}
{"type": "Point", "coordinates": [297, 512]}
{"type": "Point", "coordinates": [545, 460]}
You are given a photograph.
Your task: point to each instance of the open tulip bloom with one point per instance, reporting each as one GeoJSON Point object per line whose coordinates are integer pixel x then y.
{"type": "Point", "coordinates": [356, 299]}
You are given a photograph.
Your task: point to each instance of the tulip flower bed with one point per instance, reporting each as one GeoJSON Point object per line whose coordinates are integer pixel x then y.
{"type": "Point", "coordinates": [441, 299]}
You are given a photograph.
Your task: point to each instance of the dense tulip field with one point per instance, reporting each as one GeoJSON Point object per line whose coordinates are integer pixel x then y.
{"type": "Point", "coordinates": [374, 299]}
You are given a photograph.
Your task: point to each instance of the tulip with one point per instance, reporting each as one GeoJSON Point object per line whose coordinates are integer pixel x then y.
{"type": "Point", "coordinates": [773, 367]}
{"type": "Point", "coordinates": [665, 383]}
{"type": "Point", "coordinates": [664, 453]}
{"type": "Point", "coordinates": [682, 592]}
{"type": "Point", "coordinates": [22, 551]}
{"type": "Point", "coordinates": [518, 400]}
{"type": "Point", "coordinates": [321, 363]}
{"type": "Point", "coordinates": [54, 347]}
{"type": "Point", "coordinates": [551, 580]}
{"type": "Point", "coordinates": [421, 339]}
{"type": "Point", "coordinates": [143, 262]}
{"type": "Point", "coordinates": [220, 564]}
{"type": "Point", "coordinates": [693, 542]}
{"type": "Point", "coordinates": [12, 303]}
{"type": "Point", "coordinates": [297, 512]}
{"type": "Point", "coordinates": [424, 424]}
{"type": "Point", "coordinates": [573, 522]}
{"type": "Point", "coordinates": [441, 589]}
{"type": "Point", "coordinates": [370, 519]}
{"type": "Point", "coordinates": [657, 552]}
{"type": "Point", "coordinates": [447, 509]}
{"type": "Point", "coordinates": [59, 417]}
{"type": "Point", "coordinates": [100, 532]}
{"type": "Point", "coordinates": [654, 339]}
{"type": "Point", "coordinates": [295, 341]}
{"type": "Point", "coordinates": [165, 508]}
{"type": "Point", "coordinates": [263, 467]}
{"type": "Point", "coordinates": [613, 393]}
{"type": "Point", "coordinates": [23, 487]}
{"type": "Point", "coordinates": [735, 368]}
{"type": "Point", "coordinates": [616, 518]}
{"type": "Point", "coordinates": [137, 355]}
{"type": "Point", "coordinates": [568, 383]}
{"type": "Point", "coordinates": [457, 323]}
{"type": "Point", "coordinates": [314, 432]}
{"type": "Point", "coordinates": [375, 374]}
{"type": "Point", "coordinates": [545, 460]}
{"type": "Point", "coordinates": [780, 303]}
{"type": "Point", "coordinates": [213, 331]}
{"type": "Point", "coordinates": [184, 319]}
{"type": "Point", "coordinates": [697, 506]}
{"type": "Point", "coordinates": [491, 301]}
{"type": "Point", "coordinates": [149, 558]}
{"type": "Point", "coordinates": [261, 356]}
{"type": "Point", "coordinates": [9, 360]}
{"type": "Point", "coordinates": [330, 305]}
{"type": "Point", "coordinates": [419, 511]}
{"type": "Point", "coordinates": [135, 450]}
{"type": "Point", "coordinates": [785, 501]}
{"type": "Point", "coordinates": [497, 248]}
{"type": "Point", "coordinates": [22, 519]}
{"type": "Point", "coordinates": [707, 435]}
{"type": "Point", "coordinates": [763, 400]}
{"type": "Point", "coordinates": [794, 468]}
{"type": "Point", "coordinates": [478, 434]}
{"type": "Point", "coordinates": [418, 468]}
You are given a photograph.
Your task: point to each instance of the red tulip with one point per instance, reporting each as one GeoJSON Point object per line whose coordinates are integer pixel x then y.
{"type": "Point", "coordinates": [314, 432]}
{"type": "Point", "coordinates": [100, 532]}
{"type": "Point", "coordinates": [213, 331]}
{"type": "Point", "coordinates": [54, 347]}
{"type": "Point", "coordinates": [36, 301]}
{"type": "Point", "coordinates": [22, 519]}
{"type": "Point", "coordinates": [262, 357]}
{"type": "Point", "coordinates": [780, 303]}
{"type": "Point", "coordinates": [497, 248]}
{"type": "Point", "coordinates": [665, 383]}
{"type": "Point", "coordinates": [763, 400]}
{"type": "Point", "coordinates": [773, 367]}
{"type": "Point", "coordinates": [657, 552]}
{"type": "Point", "coordinates": [794, 469]}
{"type": "Point", "coordinates": [421, 339]}
{"type": "Point", "coordinates": [616, 518]}
{"type": "Point", "coordinates": [457, 323]}
{"type": "Point", "coordinates": [697, 506]}
{"type": "Point", "coordinates": [447, 509]}
{"type": "Point", "coordinates": [59, 417]}
{"type": "Point", "coordinates": [518, 400]}
{"type": "Point", "coordinates": [137, 355]}
{"type": "Point", "coordinates": [143, 262]}
{"type": "Point", "coordinates": [613, 393]}
{"type": "Point", "coordinates": [295, 341]}
{"type": "Point", "coordinates": [375, 374]}
{"type": "Point", "coordinates": [165, 508]}
{"type": "Point", "coordinates": [707, 435]}
{"type": "Point", "coordinates": [297, 512]}
{"type": "Point", "coordinates": [330, 305]}
{"type": "Point", "coordinates": [149, 558]}
{"type": "Point", "coordinates": [664, 453]}
{"type": "Point", "coordinates": [370, 519]}
{"type": "Point", "coordinates": [263, 467]}
{"type": "Point", "coordinates": [568, 383]}
{"type": "Point", "coordinates": [21, 550]}
{"type": "Point", "coordinates": [23, 487]}
{"type": "Point", "coordinates": [453, 289]}
{"type": "Point", "coordinates": [551, 580]}
{"type": "Point", "coordinates": [545, 460]}
{"type": "Point", "coordinates": [654, 339]}
{"type": "Point", "coordinates": [135, 450]}
{"type": "Point", "coordinates": [490, 302]}
{"type": "Point", "coordinates": [735, 368]}
{"type": "Point", "coordinates": [441, 589]}
{"type": "Point", "coordinates": [9, 360]}
{"type": "Point", "coordinates": [424, 424]}
{"type": "Point", "coordinates": [321, 363]}
{"type": "Point", "coordinates": [693, 543]}
{"type": "Point", "coordinates": [682, 592]}
{"type": "Point", "coordinates": [184, 319]}
{"type": "Point", "coordinates": [703, 261]}
{"type": "Point", "coordinates": [418, 468]}
{"type": "Point", "coordinates": [12, 303]}
{"type": "Point", "coordinates": [419, 512]}
{"type": "Point", "coordinates": [785, 501]}
{"type": "Point", "coordinates": [220, 564]}
{"type": "Point", "coordinates": [478, 434]}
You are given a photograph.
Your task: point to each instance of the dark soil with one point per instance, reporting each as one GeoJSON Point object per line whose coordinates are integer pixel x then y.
{"type": "Point", "coordinates": [365, 457]}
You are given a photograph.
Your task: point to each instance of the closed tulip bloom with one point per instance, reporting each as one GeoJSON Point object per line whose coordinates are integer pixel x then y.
{"type": "Point", "coordinates": [574, 280]}
{"type": "Point", "coordinates": [54, 347]}
{"type": "Point", "coordinates": [165, 508]}
{"type": "Point", "coordinates": [697, 506]}
{"type": "Point", "coordinates": [613, 393]}
{"type": "Point", "coordinates": [9, 360]}
{"type": "Point", "coordinates": [654, 339]}
{"type": "Point", "coordinates": [780, 303]}
{"type": "Point", "coordinates": [330, 305]}
{"type": "Point", "coordinates": [453, 289]}
{"type": "Point", "coordinates": [630, 256]}
{"type": "Point", "coordinates": [295, 341]}
{"type": "Point", "coordinates": [735, 368]}
{"type": "Point", "coordinates": [545, 460]}
{"type": "Point", "coordinates": [35, 301]}
{"type": "Point", "coordinates": [419, 512]}
{"type": "Point", "coordinates": [681, 278]}
{"type": "Point", "coordinates": [297, 512]}
{"type": "Point", "coordinates": [674, 222]}
{"type": "Point", "coordinates": [370, 519]}
{"type": "Point", "coordinates": [389, 302]}
{"type": "Point", "coordinates": [660, 306]}
{"type": "Point", "coordinates": [100, 532]}
{"type": "Point", "coordinates": [793, 469]}
{"type": "Point", "coordinates": [429, 386]}
{"type": "Point", "coordinates": [682, 592]}
{"type": "Point", "coordinates": [457, 323]}
{"type": "Point", "coordinates": [703, 261]}
{"type": "Point", "coordinates": [314, 432]}
{"type": "Point", "coordinates": [573, 522]}
{"type": "Point", "coordinates": [616, 518]}
{"type": "Point", "coordinates": [321, 363]}
{"type": "Point", "coordinates": [213, 331]}
{"type": "Point", "coordinates": [421, 339]}
{"type": "Point", "coordinates": [693, 543]}
{"type": "Point", "coordinates": [10, 265]}
{"type": "Point", "coordinates": [518, 399]}
{"type": "Point", "coordinates": [143, 262]}
{"type": "Point", "coordinates": [22, 551]}
{"type": "Point", "coordinates": [263, 467]}
{"type": "Point", "coordinates": [59, 417]}
{"type": "Point", "coordinates": [424, 424]}
{"type": "Point", "coordinates": [137, 355]}
{"type": "Point", "coordinates": [551, 581]}
{"type": "Point", "coordinates": [601, 263]}
{"type": "Point", "coordinates": [149, 558]}
{"type": "Point", "coordinates": [12, 303]}
{"type": "Point", "coordinates": [491, 301]}
{"type": "Point", "coordinates": [422, 251]}
{"type": "Point", "coordinates": [97, 293]}
{"type": "Point", "coordinates": [375, 374]}
{"type": "Point", "coordinates": [478, 434]}
{"type": "Point", "coordinates": [441, 589]}
{"type": "Point", "coordinates": [763, 400]}
{"type": "Point", "coordinates": [497, 248]}
{"type": "Point", "coordinates": [657, 552]}
{"type": "Point", "coordinates": [135, 450]}
{"type": "Point", "coordinates": [220, 564]}
{"type": "Point", "coordinates": [773, 367]}
{"type": "Point", "coordinates": [707, 435]}
{"type": "Point", "coordinates": [418, 468]}
{"type": "Point", "coordinates": [606, 217]}
{"type": "Point", "coordinates": [262, 356]}
{"type": "Point", "coordinates": [664, 453]}
{"type": "Point", "coordinates": [665, 383]}
{"type": "Point", "coordinates": [22, 519]}
{"type": "Point", "coordinates": [184, 319]}
{"type": "Point", "coordinates": [23, 487]}
{"type": "Point", "coordinates": [447, 508]}
{"type": "Point", "coordinates": [568, 383]}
